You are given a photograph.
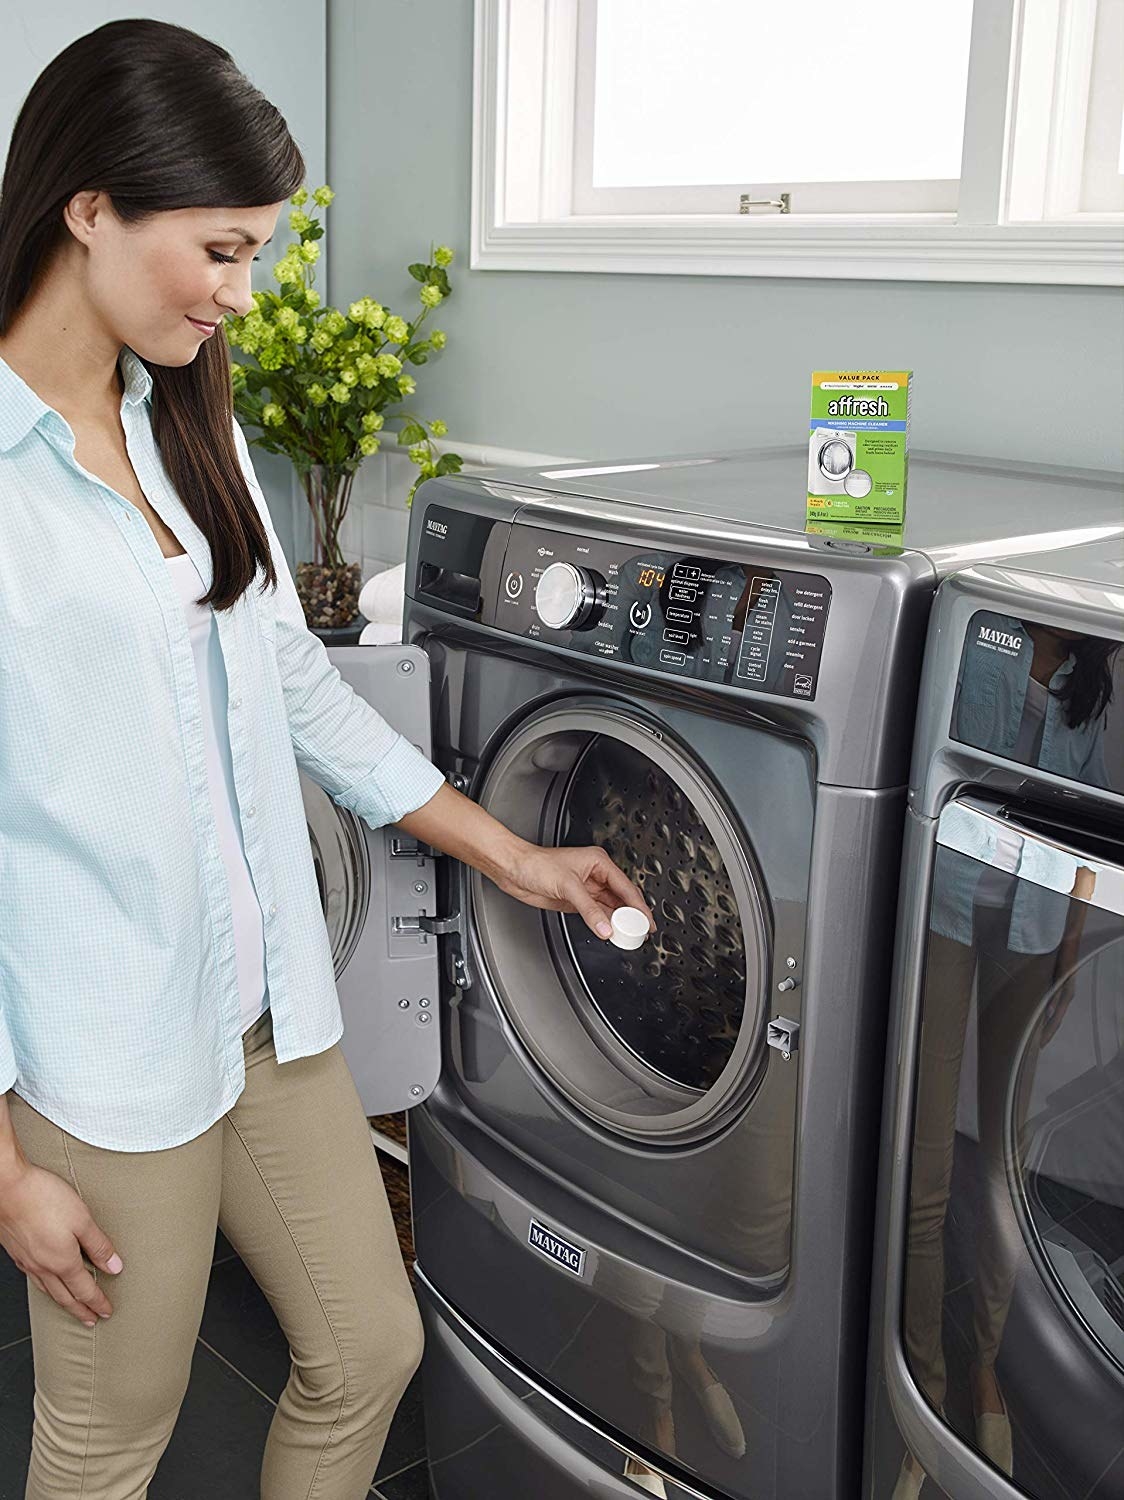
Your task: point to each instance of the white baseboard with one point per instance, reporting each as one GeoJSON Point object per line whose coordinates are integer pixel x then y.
{"type": "Point", "coordinates": [377, 540]}
{"type": "Point", "coordinates": [488, 456]}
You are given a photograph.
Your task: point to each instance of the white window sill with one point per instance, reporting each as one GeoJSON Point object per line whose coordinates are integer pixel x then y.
{"type": "Point", "coordinates": [923, 247]}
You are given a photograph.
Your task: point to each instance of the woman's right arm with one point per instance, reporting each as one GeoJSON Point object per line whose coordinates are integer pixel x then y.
{"type": "Point", "coordinates": [45, 1226]}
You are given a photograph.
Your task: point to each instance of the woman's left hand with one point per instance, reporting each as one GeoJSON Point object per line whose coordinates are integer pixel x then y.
{"type": "Point", "coordinates": [575, 878]}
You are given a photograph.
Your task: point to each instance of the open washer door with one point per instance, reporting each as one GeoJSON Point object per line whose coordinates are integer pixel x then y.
{"type": "Point", "coordinates": [661, 1043]}
{"type": "Point", "coordinates": [378, 891]}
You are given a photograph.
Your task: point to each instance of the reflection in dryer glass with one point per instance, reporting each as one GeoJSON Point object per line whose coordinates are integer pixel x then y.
{"type": "Point", "coordinates": [677, 1002]}
{"type": "Point", "coordinates": [1043, 696]}
{"type": "Point", "coordinates": [1013, 1315]}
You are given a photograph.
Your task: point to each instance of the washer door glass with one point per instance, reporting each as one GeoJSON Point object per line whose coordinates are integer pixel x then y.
{"type": "Point", "coordinates": [342, 866]}
{"type": "Point", "coordinates": [664, 1041]}
{"type": "Point", "coordinates": [678, 1002]}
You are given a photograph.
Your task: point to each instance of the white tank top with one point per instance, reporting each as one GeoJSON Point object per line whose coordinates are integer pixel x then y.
{"type": "Point", "coordinates": [249, 943]}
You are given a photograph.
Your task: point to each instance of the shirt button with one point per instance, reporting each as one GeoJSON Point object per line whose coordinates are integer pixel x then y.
{"type": "Point", "coordinates": [273, 909]}
{"type": "Point", "coordinates": [249, 812]}
{"type": "Point", "coordinates": [236, 703]}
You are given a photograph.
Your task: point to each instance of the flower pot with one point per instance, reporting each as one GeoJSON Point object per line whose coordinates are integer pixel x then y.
{"type": "Point", "coordinates": [327, 586]}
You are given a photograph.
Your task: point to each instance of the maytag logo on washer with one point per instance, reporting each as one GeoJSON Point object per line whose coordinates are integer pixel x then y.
{"type": "Point", "coordinates": [548, 1243]}
{"type": "Point", "coordinates": [438, 528]}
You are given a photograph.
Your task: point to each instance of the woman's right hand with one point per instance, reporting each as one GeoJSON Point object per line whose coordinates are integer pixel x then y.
{"type": "Point", "coordinates": [45, 1226]}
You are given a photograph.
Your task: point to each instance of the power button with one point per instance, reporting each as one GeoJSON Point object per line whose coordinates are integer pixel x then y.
{"type": "Point", "coordinates": [513, 585]}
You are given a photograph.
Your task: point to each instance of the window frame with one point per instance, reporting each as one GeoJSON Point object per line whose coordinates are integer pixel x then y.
{"type": "Point", "coordinates": [526, 62]}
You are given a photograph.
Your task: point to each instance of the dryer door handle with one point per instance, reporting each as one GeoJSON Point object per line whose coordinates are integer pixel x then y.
{"type": "Point", "coordinates": [1046, 857]}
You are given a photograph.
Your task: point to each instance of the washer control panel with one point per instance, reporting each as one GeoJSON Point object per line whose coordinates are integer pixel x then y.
{"type": "Point", "coordinates": [690, 615]}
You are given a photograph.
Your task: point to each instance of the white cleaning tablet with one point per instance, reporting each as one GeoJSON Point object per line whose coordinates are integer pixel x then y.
{"type": "Point", "coordinates": [858, 483]}
{"type": "Point", "coordinates": [630, 927]}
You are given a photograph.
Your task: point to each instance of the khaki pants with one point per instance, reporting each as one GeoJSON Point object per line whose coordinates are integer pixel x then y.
{"type": "Point", "coordinates": [291, 1176]}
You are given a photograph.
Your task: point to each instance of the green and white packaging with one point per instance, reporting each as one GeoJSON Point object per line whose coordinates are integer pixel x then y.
{"type": "Point", "coordinates": [880, 535]}
{"type": "Point", "coordinates": [857, 449]}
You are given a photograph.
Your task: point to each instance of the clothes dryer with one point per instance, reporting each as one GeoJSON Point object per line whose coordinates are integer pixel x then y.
{"type": "Point", "coordinates": [643, 1184]}
{"type": "Point", "coordinates": [998, 1329]}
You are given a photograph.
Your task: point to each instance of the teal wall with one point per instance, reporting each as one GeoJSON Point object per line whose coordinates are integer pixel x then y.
{"type": "Point", "coordinates": [601, 365]}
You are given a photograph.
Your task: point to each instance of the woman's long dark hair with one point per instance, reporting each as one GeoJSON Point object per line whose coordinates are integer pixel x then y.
{"type": "Point", "coordinates": [158, 118]}
{"type": "Point", "coordinates": [1087, 691]}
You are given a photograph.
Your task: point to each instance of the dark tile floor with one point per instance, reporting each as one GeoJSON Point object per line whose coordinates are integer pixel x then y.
{"type": "Point", "coordinates": [240, 1367]}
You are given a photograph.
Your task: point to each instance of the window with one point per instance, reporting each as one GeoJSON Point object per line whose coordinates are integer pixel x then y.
{"type": "Point", "coordinates": [685, 108]}
{"type": "Point", "coordinates": [953, 142]}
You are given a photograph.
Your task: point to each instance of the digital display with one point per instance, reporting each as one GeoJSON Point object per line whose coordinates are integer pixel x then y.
{"type": "Point", "coordinates": [651, 577]}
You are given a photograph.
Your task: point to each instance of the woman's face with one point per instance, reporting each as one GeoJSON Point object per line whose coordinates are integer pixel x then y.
{"type": "Point", "coordinates": [147, 282]}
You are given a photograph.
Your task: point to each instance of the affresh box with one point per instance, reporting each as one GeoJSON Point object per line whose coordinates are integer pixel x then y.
{"type": "Point", "coordinates": [857, 460]}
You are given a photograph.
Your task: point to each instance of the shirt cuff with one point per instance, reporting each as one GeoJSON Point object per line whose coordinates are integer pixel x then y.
{"type": "Point", "coordinates": [403, 781]}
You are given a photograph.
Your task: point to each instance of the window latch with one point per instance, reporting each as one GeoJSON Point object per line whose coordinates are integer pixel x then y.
{"type": "Point", "coordinates": [784, 203]}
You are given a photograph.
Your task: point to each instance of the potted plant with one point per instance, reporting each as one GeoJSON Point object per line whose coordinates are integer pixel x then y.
{"type": "Point", "coordinates": [322, 387]}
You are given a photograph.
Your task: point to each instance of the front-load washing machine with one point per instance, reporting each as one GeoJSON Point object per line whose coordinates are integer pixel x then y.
{"type": "Point", "coordinates": [998, 1329]}
{"type": "Point", "coordinates": [643, 1185]}
{"type": "Point", "coordinates": [831, 461]}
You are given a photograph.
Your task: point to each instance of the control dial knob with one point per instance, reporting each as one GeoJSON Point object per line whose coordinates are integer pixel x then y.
{"type": "Point", "coordinates": [566, 596]}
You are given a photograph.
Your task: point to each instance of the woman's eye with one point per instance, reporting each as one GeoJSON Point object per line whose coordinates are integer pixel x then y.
{"type": "Point", "coordinates": [227, 260]}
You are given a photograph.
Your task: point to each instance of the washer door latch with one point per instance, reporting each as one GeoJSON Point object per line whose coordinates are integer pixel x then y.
{"type": "Point", "coordinates": [784, 1035]}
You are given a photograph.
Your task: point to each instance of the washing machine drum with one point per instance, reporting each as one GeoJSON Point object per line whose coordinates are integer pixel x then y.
{"type": "Point", "coordinates": [835, 459]}
{"type": "Point", "coordinates": [660, 1042]}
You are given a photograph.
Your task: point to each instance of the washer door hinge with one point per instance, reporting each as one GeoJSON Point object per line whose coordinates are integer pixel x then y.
{"type": "Point", "coordinates": [784, 1035]}
{"type": "Point", "coordinates": [456, 967]}
{"type": "Point", "coordinates": [406, 848]}
{"type": "Point", "coordinates": [439, 926]}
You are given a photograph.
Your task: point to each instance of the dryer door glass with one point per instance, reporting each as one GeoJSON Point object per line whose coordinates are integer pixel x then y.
{"type": "Point", "coordinates": [1013, 1317]}
{"type": "Point", "coordinates": [678, 1001]}
{"type": "Point", "coordinates": [1044, 697]}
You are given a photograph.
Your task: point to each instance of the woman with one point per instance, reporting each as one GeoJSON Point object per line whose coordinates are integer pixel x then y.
{"type": "Point", "coordinates": [169, 1023]}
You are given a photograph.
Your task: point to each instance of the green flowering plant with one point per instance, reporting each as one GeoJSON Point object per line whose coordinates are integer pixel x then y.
{"type": "Point", "coordinates": [324, 382]}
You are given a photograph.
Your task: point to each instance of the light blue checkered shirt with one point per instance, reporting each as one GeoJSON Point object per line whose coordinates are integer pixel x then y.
{"type": "Point", "coordinates": [120, 1014]}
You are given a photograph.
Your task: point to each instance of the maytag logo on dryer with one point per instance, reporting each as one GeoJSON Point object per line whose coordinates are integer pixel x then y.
{"type": "Point", "coordinates": [1002, 639]}
{"type": "Point", "coordinates": [436, 528]}
{"type": "Point", "coordinates": [546, 1242]}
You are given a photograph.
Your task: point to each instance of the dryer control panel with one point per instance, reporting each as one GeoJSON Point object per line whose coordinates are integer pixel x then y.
{"type": "Point", "coordinates": [687, 614]}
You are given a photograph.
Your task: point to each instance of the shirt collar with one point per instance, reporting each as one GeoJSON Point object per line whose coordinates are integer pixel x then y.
{"type": "Point", "coordinates": [21, 409]}
{"type": "Point", "coordinates": [135, 373]}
